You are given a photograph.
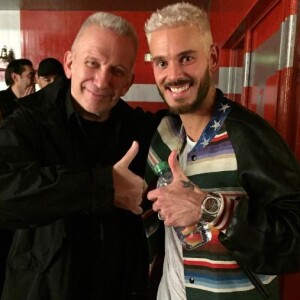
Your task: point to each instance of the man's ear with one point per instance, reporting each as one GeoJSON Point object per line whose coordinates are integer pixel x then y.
{"type": "Point", "coordinates": [128, 85]}
{"type": "Point", "coordinates": [214, 58]}
{"type": "Point", "coordinates": [15, 77]}
{"type": "Point", "coordinates": [68, 59]}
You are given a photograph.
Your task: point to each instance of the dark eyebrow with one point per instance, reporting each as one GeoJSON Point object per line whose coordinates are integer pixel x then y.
{"type": "Point", "coordinates": [186, 52]}
{"type": "Point", "coordinates": [158, 58]}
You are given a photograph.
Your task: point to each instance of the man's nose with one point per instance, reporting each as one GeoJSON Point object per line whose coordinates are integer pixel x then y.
{"type": "Point", "coordinates": [102, 77]}
{"type": "Point", "coordinates": [174, 70]}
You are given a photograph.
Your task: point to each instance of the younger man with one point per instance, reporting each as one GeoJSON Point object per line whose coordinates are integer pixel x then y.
{"type": "Point", "coordinates": [234, 172]}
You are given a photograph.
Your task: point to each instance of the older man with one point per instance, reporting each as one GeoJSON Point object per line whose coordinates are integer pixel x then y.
{"type": "Point", "coordinates": [68, 188]}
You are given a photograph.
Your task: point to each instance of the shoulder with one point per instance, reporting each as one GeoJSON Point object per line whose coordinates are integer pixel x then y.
{"type": "Point", "coordinates": [257, 144]}
{"type": "Point", "coordinates": [241, 115]}
{"type": "Point", "coordinates": [137, 116]}
{"type": "Point", "coordinates": [245, 123]}
{"type": "Point", "coordinates": [6, 94]}
{"type": "Point", "coordinates": [49, 96]}
{"type": "Point", "coordinates": [252, 137]}
{"type": "Point", "coordinates": [244, 115]}
{"type": "Point", "coordinates": [3, 92]}
{"type": "Point", "coordinates": [41, 106]}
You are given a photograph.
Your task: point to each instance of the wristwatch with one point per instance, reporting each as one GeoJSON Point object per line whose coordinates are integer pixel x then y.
{"type": "Point", "coordinates": [211, 206]}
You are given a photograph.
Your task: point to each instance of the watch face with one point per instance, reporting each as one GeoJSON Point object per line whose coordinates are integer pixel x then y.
{"type": "Point", "coordinates": [211, 205]}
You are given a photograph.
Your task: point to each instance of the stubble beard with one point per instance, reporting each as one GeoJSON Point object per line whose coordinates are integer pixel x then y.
{"type": "Point", "coordinates": [200, 98]}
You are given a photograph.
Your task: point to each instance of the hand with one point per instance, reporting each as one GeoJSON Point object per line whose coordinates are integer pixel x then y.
{"type": "Point", "coordinates": [179, 203]}
{"type": "Point", "coordinates": [29, 90]}
{"type": "Point", "coordinates": [128, 186]}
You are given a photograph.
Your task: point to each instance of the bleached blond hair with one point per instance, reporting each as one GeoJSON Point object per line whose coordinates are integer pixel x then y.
{"type": "Point", "coordinates": [180, 14]}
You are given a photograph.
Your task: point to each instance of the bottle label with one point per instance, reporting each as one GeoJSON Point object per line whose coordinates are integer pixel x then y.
{"type": "Point", "coordinates": [194, 236]}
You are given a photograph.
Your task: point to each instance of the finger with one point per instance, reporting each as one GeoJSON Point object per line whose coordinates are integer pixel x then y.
{"type": "Point", "coordinates": [174, 165]}
{"type": "Point", "coordinates": [29, 91]}
{"type": "Point", "coordinates": [152, 195]}
{"type": "Point", "coordinates": [129, 156]}
{"type": "Point", "coordinates": [156, 206]}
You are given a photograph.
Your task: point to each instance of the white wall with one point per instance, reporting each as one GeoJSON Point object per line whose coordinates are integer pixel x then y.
{"type": "Point", "coordinates": [10, 35]}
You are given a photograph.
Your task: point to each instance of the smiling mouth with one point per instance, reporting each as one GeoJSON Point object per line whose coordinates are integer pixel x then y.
{"type": "Point", "coordinates": [100, 94]}
{"type": "Point", "coordinates": [180, 89]}
{"type": "Point", "coordinates": [179, 86]}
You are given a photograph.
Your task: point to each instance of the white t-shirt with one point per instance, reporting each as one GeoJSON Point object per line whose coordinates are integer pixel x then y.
{"type": "Point", "coordinates": [171, 286]}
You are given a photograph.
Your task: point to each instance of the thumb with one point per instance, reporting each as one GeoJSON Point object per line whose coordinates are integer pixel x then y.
{"type": "Point", "coordinates": [129, 156]}
{"type": "Point", "coordinates": [174, 165]}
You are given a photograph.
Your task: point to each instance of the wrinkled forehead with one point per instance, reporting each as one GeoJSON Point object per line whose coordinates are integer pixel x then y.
{"type": "Point", "coordinates": [104, 41]}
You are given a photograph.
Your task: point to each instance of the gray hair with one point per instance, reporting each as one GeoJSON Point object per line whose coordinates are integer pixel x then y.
{"type": "Point", "coordinates": [179, 14]}
{"type": "Point", "coordinates": [110, 21]}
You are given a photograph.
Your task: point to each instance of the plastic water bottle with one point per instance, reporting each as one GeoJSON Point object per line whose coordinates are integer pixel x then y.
{"type": "Point", "coordinates": [193, 236]}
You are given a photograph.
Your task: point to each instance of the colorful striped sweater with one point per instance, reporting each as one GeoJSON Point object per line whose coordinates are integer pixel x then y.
{"type": "Point", "coordinates": [210, 271]}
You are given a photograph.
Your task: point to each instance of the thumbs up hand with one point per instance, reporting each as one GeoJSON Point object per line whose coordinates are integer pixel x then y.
{"type": "Point", "coordinates": [179, 203]}
{"type": "Point", "coordinates": [128, 186]}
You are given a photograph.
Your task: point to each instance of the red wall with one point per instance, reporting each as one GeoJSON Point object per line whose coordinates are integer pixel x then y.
{"type": "Point", "coordinates": [226, 16]}
{"type": "Point", "coordinates": [51, 33]}
{"type": "Point", "coordinates": [282, 88]}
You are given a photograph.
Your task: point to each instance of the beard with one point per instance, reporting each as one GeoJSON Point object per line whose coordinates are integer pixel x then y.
{"type": "Point", "coordinates": [200, 98]}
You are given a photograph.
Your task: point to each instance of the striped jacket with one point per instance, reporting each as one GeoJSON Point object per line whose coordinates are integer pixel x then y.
{"type": "Point", "coordinates": [237, 156]}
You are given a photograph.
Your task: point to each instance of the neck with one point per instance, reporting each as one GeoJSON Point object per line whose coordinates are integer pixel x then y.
{"type": "Point", "coordinates": [94, 117]}
{"type": "Point", "coordinates": [16, 91]}
{"type": "Point", "coordinates": [195, 122]}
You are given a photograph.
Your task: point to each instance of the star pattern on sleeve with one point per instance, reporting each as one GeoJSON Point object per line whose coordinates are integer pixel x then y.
{"type": "Point", "coordinates": [224, 107]}
{"type": "Point", "coordinates": [213, 126]}
{"type": "Point", "coordinates": [205, 142]}
{"type": "Point", "coordinates": [216, 125]}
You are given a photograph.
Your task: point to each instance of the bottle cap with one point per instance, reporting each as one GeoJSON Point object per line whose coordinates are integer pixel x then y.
{"type": "Point", "coordinates": [161, 166]}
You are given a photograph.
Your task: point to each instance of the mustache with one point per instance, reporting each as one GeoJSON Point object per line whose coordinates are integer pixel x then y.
{"type": "Point", "coordinates": [178, 82]}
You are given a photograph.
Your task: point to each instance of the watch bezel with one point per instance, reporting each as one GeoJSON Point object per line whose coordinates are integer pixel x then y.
{"type": "Point", "coordinates": [207, 215]}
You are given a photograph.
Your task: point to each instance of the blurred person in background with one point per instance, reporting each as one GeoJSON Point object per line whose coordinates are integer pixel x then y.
{"type": "Point", "coordinates": [48, 70]}
{"type": "Point", "coordinates": [20, 79]}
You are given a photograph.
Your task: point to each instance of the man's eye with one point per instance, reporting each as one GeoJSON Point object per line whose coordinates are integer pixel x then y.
{"type": "Point", "coordinates": [160, 63]}
{"type": "Point", "coordinates": [91, 63]}
{"type": "Point", "coordinates": [187, 59]}
{"type": "Point", "coordinates": [118, 72]}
